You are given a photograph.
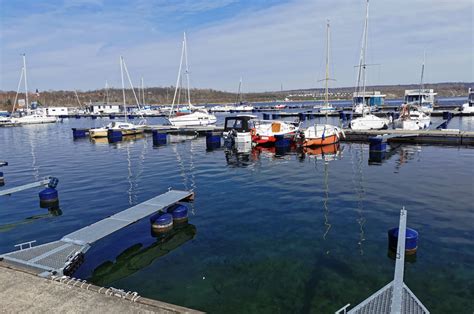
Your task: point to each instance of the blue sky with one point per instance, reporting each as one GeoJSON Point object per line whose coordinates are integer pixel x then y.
{"type": "Point", "coordinates": [76, 44]}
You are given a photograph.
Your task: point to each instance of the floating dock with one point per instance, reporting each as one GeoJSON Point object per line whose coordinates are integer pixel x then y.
{"type": "Point", "coordinates": [395, 297]}
{"type": "Point", "coordinates": [62, 257]}
{"type": "Point", "coordinates": [37, 184]}
{"type": "Point", "coordinates": [449, 137]}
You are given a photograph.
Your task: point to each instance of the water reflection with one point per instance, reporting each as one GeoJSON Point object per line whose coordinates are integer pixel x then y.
{"type": "Point", "coordinates": [358, 183]}
{"type": "Point", "coordinates": [137, 257]}
{"type": "Point", "coordinates": [52, 212]}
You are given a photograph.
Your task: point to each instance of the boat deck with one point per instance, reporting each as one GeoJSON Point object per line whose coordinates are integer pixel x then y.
{"type": "Point", "coordinates": [59, 256]}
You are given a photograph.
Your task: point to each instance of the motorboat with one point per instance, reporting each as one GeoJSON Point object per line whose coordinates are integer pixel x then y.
{"type": "Point", "coordinates": [412, 118]}
{"type": "Point", "coordinates": [238, 129]}
{"type": "Point", "coordinates": [280, 106]}
{"type": "Point", "coordinates": [244, 107]}
{"type": "Point", "coordinates": [265, 131]}
{"type": "Point", "coordinates": [196, 118]}
{"type": "Point", "coordinates": [5, 121]}
{"type": "Point", "coordinates": [369, 122]}
{"type": "Point", "coordinates": [125, 127]}
{"type": "Point", "coordinates": [225, 108]}
{"type": "Point", "coordinates": [320, 135]}
{"type": "Point", "coordinates": [424, 98]}
{"type": "Point", "coordinates": [469, 106]}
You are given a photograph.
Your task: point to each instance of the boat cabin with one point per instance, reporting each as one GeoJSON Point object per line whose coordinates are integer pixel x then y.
{"type": "Point", "coordinates": [57, 111]}
{"type": "Point", "coordinates": [241, 123]}
{"type": "Point", "coordinates": [102, 108]}
{"type": "Point", "coordinates": [413, 96]}
{"type": "Point", "coordinates": [372, 99]}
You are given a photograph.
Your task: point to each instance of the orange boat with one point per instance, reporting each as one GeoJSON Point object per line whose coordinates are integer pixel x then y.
{"type": "Point", "coordinates": [320, 135]}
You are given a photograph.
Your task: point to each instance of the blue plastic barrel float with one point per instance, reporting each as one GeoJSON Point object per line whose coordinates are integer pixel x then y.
{"type": "Point", "coordinates": [342, 115]}
{"type": "Point", "coordinates": [77, 116]}
{"type": "Point", "coordinates": [377, 144]}
{"type": "Point", "coordinates": [48, 197]}
{"type": "Point", "coordinates": [266, 116]}
{"type": "Point", "coordinates": [111, 116]}
{"type": "Point", "coordinates": [78, 133]}
{"type": "Point", "coordinates": [282, 141]}
{"type": "Point", "coordinates": [411, 240]}
{"type": "Point", "coordinates": [159, 138]}
{"type": "Point", "coordinates": [213, 140]}
{"type": "Point", "coordinates": [179, 213]}
{"type": "Point", "coordinates": [114, 135]}
{"type": "Point", "coordinates": [2, 179]}
{"type": "Point", "coordinates": [161, 222]}
{"type": "Point", "coordinates": [94, 117]}
{"type": "Point", "coordinates": [131, 116]}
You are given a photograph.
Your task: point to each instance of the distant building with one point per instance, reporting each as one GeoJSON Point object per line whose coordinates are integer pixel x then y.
{"type": "Point", "coordinates": [373, 98]}
{"type": "Point", "coordinates": [104, 108]}
{"type": "Point", "coordinates": [57, 111]}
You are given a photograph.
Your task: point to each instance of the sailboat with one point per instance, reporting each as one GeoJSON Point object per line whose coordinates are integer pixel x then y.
{"type": "Point", "coordinates": [242, 105]}
{"type": "Point", "coordinates": [323, 134]}
{"type": "Point", "coordinates": [368, 121]}
{"type": "Point", "coordinates": [415, 112]}
{"type": "Point", "coordinates": [198, 116]}
{"type": "Point", "coordinates": [125, 127]}
{"type": "Point", "coordinates": [30, 116]}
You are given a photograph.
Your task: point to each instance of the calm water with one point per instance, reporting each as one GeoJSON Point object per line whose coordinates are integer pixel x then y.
{"type": "Point", "coordinates": [268, 233]}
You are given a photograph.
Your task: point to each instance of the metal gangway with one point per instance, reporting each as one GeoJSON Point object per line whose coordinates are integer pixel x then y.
{"type": "Point", "coordinates": [44, 182]}
{"type": "Point", "coordinates": [395, 297]}
{"type": "Point", "coordinates": [64, 256]}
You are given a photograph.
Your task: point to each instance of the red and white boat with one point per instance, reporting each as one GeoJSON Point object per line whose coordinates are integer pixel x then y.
{"type": "Point", "coordinates": [321, 135]}
{"type": "Point", "coordinates": [280, 106]}
{"type": "Point", "coordinates": [265, 132]}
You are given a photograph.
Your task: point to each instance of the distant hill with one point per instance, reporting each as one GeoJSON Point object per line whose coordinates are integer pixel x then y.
{"type": "Point", "coordinates": [164, 95]}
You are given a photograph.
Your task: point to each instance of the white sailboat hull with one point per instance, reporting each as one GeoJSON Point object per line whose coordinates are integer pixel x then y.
{"type": "Point", "coordinates": [197, 118]}
{"type": "Point", "coordinates": [34, 119]}
{"type": "Point", "coordinates": [369, 122]}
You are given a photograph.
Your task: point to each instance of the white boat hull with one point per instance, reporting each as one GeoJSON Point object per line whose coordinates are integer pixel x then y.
{"type": "Point", "coordinates": [369, 122]}
{"type": "Point", "coordinates": [197, 118]}
{"type": "Point", "coordinates": [34, 119]}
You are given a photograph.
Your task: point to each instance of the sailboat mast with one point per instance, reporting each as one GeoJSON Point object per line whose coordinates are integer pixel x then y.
{"type": "Point", "coordinates": [177, 80]}
{"type": "Point", "coordinates": [106, 93]}
{"type": "Point", "coordinates": [364, 64]}
{"type": "Point", "coordinates": [18, 89]}
{"type": "Point", "coordinates": [327, 63]}
{"type": "Point", "coordinates": [143, 92]}
{"type": "Point", "coordinates": [187, 69]}
{"type": "Point", "coordinates": [26, 83]}
{"type": "Point", "coordinates": [421, 79]}
{"type": "Point", "coordinates": [123, 89]}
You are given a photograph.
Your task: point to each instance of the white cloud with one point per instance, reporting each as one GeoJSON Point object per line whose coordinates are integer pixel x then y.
{"type": "Point", "coordinates": [280, 44]}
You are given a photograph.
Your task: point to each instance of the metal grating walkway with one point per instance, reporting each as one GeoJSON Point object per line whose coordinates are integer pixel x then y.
{"type": "Point", "coordinates": [395, 297]}
{"type": "Point", "coordinates": [59, 256]}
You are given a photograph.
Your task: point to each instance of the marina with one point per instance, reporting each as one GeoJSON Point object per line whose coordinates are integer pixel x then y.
{"type": "Point", "coordinates": [331, 197]}
{"type": "Point", "coordinates": [138, 177]}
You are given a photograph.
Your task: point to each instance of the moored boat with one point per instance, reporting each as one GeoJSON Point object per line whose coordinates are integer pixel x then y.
{"type": "Point", "coordinates": [124, 127]}
{"type": "Point", "coordinates": [412, 118]}
{"type": "Point", "coordinates": [265, 131]}
{"type": "Point", "coordinates": [468, 107]}
{"type": "Point", "coordinates": [238, 129]}
{"type": "Point", "coordinates": [320, 135]}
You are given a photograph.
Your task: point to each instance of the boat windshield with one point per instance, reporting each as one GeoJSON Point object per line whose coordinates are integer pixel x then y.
{"type": "Point", "coordinates": [239, 124]}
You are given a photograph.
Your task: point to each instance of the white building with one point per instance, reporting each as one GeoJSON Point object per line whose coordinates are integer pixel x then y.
{"type": "Point", "coordinates": [57, 111]}
{"type": "Point", "coordinates": [104, 108]}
